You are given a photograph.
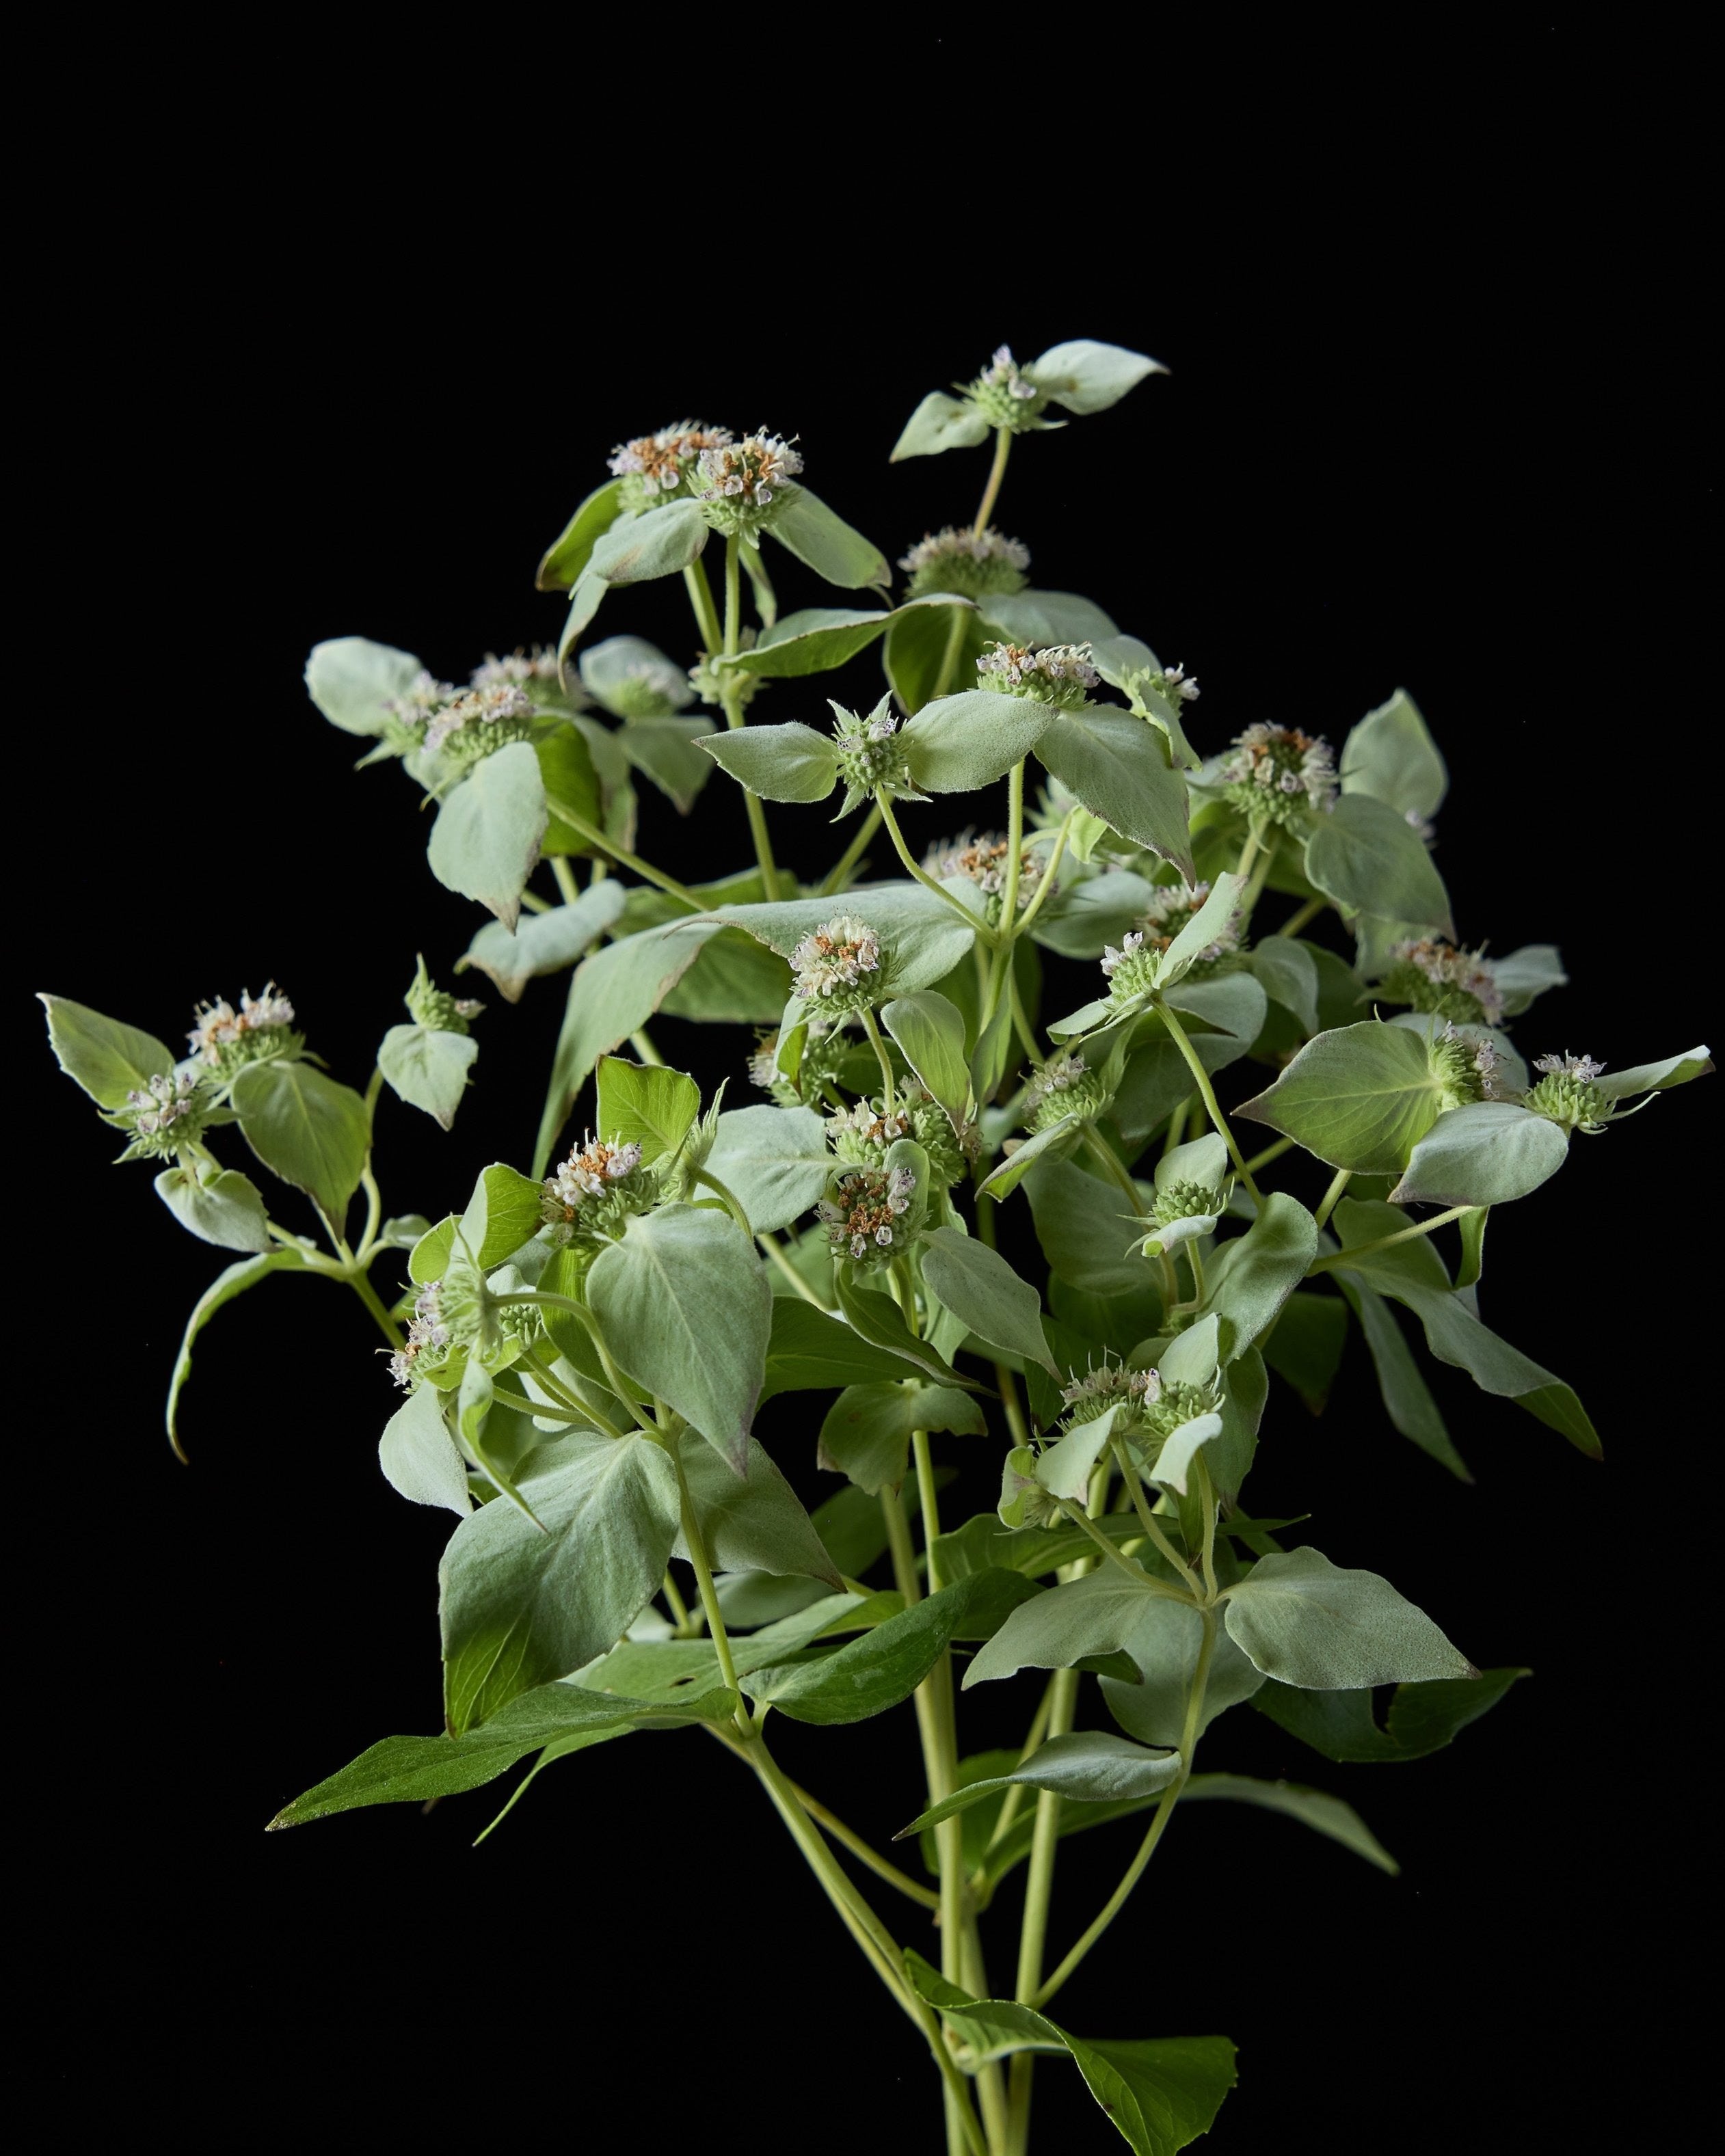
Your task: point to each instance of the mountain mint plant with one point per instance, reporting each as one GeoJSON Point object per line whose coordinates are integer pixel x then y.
{"type": "Point", "coordinates": [577, 1352]}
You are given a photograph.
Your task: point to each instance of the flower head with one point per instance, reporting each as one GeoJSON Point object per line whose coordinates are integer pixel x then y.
{"type": "Point", "coordinates": [1172, 683]}
{"type": "Point", "coordinates": [1566, 1092]}
{"type": "Point", "coordinates": [1173, 906]}
{"type": "Point", "coordinates": [517, 669]}
{"type": "Point", "coordinates": [739, 480]}
{"type": "Point", "coordinates": [974, 564]}
{"type": "Point", "coordinates": [411, 712]}
{"type": "Point", "coordinates": [429, 1341]}
{"type": "Point", "coordinates": [1111, 1385]}
{"type": "Point", "coordinates": [224, 1037]}
{"type": "Point", "coordinates": [983, 862]}
{"type": "Point", "coordinates": [430, 1006]}
{"type": "Point", "coordinates": [654, 465]}
{"type": "Point", "coordinates": [482, 721]}
{"type": "Point", "coordinates": [1432, 975]}
{"type": "Point", "coordinates": [1058, 674]}
{"type": "Point", "coordinates": [1004, 394]}
{"type": "Point", "coordinates": [862, 1215]}
{"type": "Point", "coordinates": [590, 1196]}
{"type": "Point", "coordinates": [833, 962]}
{"type": "Point", "coordinates": [871, 755]}
{"type": "Point", "coordinates": [1065, 1085]}
{"type": "Point", "coordinates": [1468, 1067]}
{"type": "Point", "coordinates": [1279, 772]}
{"type": "Point", "coordinates": [164, 1115]}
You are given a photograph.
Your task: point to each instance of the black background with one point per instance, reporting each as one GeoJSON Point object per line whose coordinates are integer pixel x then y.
{"type": "Point", "coordinates": [1434, 418]}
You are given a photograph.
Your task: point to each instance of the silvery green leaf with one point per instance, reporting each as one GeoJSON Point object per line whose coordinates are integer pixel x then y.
{"type": "Point", "coordinates": [1078, 1224]}
{"type": "Point", "coordinates": [867, 1432]}
{"type": "Point", "coordinates": [1288, 973]}
{"type": "Point", "coordinates": [418, 1456]}
{"type": "Point", "coordinates": [1201, 931]}
{"type": "Point", "coordinates": [404, 1231]}
{"type": "Point", "coordinates": [1088, 1766]}
{"type": "Point", "coordinates": [921, 938]}
{"type": "Point", "coordinates": [1053, 1143]}
{"type": "Point", "coordinates": [350, 679]}
{"type": "Point", "coordinates": [1165, 1640]}
{"type": "Point", "coordinates": [1367, 857]}
{"type": "Point", "coordinates": [1203, 1161]}
{"type": "Point", "coordinates": [804, 525]}
{"type": "Point", "coordinates": [1252, 1275]}
{"type": "Point", "coordinates": [228, 1210]}
{"type": "Point", "coordinates": [929, 1032]}
{"type": "Point", "coordinates": [1068, 1624]}
{"type": "Point", "coordinates": [1311, 1808]}
{"type": "Point", "coordinates": [633, 679]}
{"type": "Point", "coordinates": [648, 1104]}
{"type": "Point", "coordinates": [305, 1128]}
{"type": "Point", "coordinates": [1192, 1357]}
{"type": "Point", "coordinates": [1085, 376]}
{"type": "Point", "coordinates": [1065, 1469]}
{"type": "Point", "coordinates": [933, 644]}
{"type": "Point", "coordinates": [754, 1522]}
{"type": "Point", "coordinates": [427, 1068]}
{"type": "Point", "coordinates": [568, 554]}
{"type": "Point", "coordinates": [1181, 1446]}
{"type": "Point", "coordinates": [958, 743]}
{"type": "Point", "coordinates": [1656, 1077]}
{"type": "Point", "coordinates": [979, 1286]}
{"type": "Point", "coordinates": [1526, 973]}
{"type": "Point", "coordinates": [686, 1312]}
{"type": "Point", "coordinates": [543, 943]}
{"type": "Point", "coordinates": [812, 641]}
{"type": "Point", "coordinates": [523, 1605]}
{"type": "Point", "coordinates": [584, 603]}
{"type": "Point", "coordinates": [1306, 1622]}
{"type": "Point", "coordinates": [236, 1281]}
{"type": "Point", "coordinates": [1087, 916]}
{"type": "Point", "coordinates": [658, 544]}
{"type": "Point", "coordinates": [776, 1161]}
{"type": "Point", "coordinates": [1117, 766]}
{"type": "Point", "coordinates": [1361, 1098]}
{"type": "Point", "coordinates": [667, 752]}
{"type": "Point", "coordinates": [940, 423]}
{"type": "Point", "coordinates": [1391, 756]}
{"type": "Point", "coordinates": [1407, 1398]}
{"type": "Point", "coordinates": [1485, 1153]}
{"type": "Point", "coordinates": [486, 837]}
{"type": "Point", "coordinates": [106, 1059]}
{"type": "Point", "coordinates": [789, 763]}
{"type": "Point", "coordinates": [1033, 617]}
{"type": "Point", "coordinates": [503, 1213]}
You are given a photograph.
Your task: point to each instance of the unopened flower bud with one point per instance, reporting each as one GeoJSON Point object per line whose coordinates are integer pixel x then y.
{"type": "Point", "coordinates": [871, 755]}
{"type": "Point", "coordinates": [430, 1006]}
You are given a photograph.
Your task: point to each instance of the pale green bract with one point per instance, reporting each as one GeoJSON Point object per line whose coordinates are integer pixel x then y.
{"type": "Point", "coordinates": [983, 1194]}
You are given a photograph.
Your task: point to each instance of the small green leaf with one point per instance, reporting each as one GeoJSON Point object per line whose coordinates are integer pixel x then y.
{"type": "Point", "coordinates": [866, 1435]}
{"type": "Point", "coordinates": [106, 1059]}
{"type": "Point", "coordinates": [1080, 1227]}
{"type": "Point", "coordinates": [1070, 1624]}
{"type": "Point", "coordinates": [932, 644]}
{"type": "Point", "coordinates": [568, 554]}
{"type": "Point", "coordinates": [1035, 617]}
{"type": "Point", "coordinates": [486, 837]}
{"type": "Point", "coordinates": [1324, 1814]}
{"type": "Point", "coordinates": [809, 1352]}
{"type": "Point", "coordinates": [543, 943]}
{"type": "Point", "coordinates": [1361, 1098]}
{"type": "Point", "coordinates": [646, 1105]}
{"type": "Point", "coordinates": [1084, 377]}
{"type": "Point", "coordinates": [921, 938]}
{"type": "Point", "coordinates": [1090, 1766]}
{"type": "Point", "coordinates": [658, 544]}
{"type": "Point", "coordinates": [812, 641]}
{"type": "Point", "coordinates": [1656, 1077]}
{"type": "Point", "coordinates": [775, 1161]}
{"type": "Point", "coordinates": [428, 1068]}
{"type": "Point", "coordinates": [1304, 1347]}
{"type": "Point", "coordinates": [1289, 974]}
{"type": "Point", "coordinates": [1423, 1717]}
{"type": "Point", "coordinates": [228, 1210]}
{"type": "Point", "coordinates": [687, 1313]}
{"type": "Point", "coordinates": [305, 1128]}
{"type": "Point", "coordinates": [959, 743]}
{"type": "Point", "coordinates": [804, 525]}
{"type": "Point", "coordinates": [236, 1281]}
{"type": "Point", "coordinates": [979, 1286]}
{"type": "Point", "coordinates": [420, 1459]}
{"type": "Point", "coordinates": [503, 1212]}
{"type": "Point", "coordinates": [1485, 1153]}
{"type": "Point", "coordinates": [790, 762]}
{"type": "Point", "coordinates": [668, 752]}
{"type": "Point", "coordinates": [1252, 1275]}
{"type": "Point", "coordinates": [350, 679]}
{"type": "Point", "coordinates": [1367, 857]}
{"type": "Point", "coordinates": [1165, 1642]}
{"type": "Point", "coordinates": [1391, 755]}
{"type": "Point", "coordinates": [571, 781]}
{"type": "Point", "coordinates": [1305, 1621]}
{"type": "Point", "coordinates": [1407, 1398]}
{"type": "Point", "coordinates": [878, 1319]}
{"type": "Point", "coordinates": [1117, 766]}
{"type": "Point", "coordinates": [940, 423]}
{"type": "Point", "coordinates": [752, 1522]}
{"type": "Point", "coordinates": [930, 1030]}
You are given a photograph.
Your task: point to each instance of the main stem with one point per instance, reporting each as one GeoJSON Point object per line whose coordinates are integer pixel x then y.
{"type": "Point", "coordinates": [1039, 1888]}
{"type": "Point", "coordinates": [733, 715]}
{"type": "Point", "coordinates": [1207, 1093]}
{"type": "Point", "coordinates": [997, 472]}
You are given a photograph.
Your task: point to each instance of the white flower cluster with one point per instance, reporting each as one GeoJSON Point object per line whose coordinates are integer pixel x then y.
{"type": "Point", "coordinates": [1170, 909]}
{"type": "Point", "coordinates": [588, 1173]}
{"type": "Point", "coordinates": [1583, 1067]}
{"type": "Point", "coordinates": [1173, 683]}
{"type": "Point", "coordinates": [1058, 674]}
{"type": "Point", "coordinates": [831, 960]}
{"type": "Point", "coordinates": [517, 669]}
{"type": "Point", "coordinates": [500, 704]}
{"type": "Point", "coordinates": [1097, 1390]}
{"type": "Point", "coordinates": [983, 862]}
{"type": "Point", "coordinates": [1131, 945]}
{"type": "Point", "coordinates": [1433, 975]}
{"type": "Point", "coordinates": [660, 461]}
{"type": "Point", "coordinates": [859, 1216]}
{"type": "Point", "coordinates": [1065, 1085]}
{"type": "Point", "coordinates": [753, 469]}
{"type": "Point", "coordinates": [975, 564]}
{"type": "Point", "coordinates": [1004, 372]}
{"type": "Point", "coordinates": [221, 1029]}
{"type": "Point", "coordinates": [427, 1331]}
{"type": "Point", "coordinates": [163, 1101]}
{"type": "Point", "coordinates": [1284, 766]}
{"type": "Point", "coordinates": [421, 697]}
{"type": "Point", "coordinates": [1488, 1065]}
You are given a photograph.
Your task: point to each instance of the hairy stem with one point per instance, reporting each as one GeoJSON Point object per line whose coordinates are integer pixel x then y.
{"type": "Point", "coordinates": [1207, 1093]}
{"type": "Point", "coordinates": [1384, 1242]}
{"type": "Point", "coordinates": [997, 472]}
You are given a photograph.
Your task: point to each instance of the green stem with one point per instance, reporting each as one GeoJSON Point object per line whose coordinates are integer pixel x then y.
{"type": "Point", "coordinates": [1004, 1379]}
{"type": "Point", "coordinates": [997, 472]}
{"type": "Point", "coordinates": [1020, 1016]}
{"type": "Point", "coordinates": [1130, 1565]}
{"type": "Point", "coordinates": [1039, 1888]}
{"type": "Point", "coordinates": [1254, 889]}
{"type": "Point", "coordinates": [881, 1057]}
{"type": "Point", "coordinates": [1326, 1205]}
{"type": "Point", "coordinates": [1046, 887]}
{"type": "Point", "coordinates": [924, 1897]}
{"type": "Point", "coordinates": [706, 614]}
{"type": "Point", "coordinates": [732, 1203]}
{"type": "Point", "coordinates": [1207, 1092]}
{"type": "Point", "coordinates": [1249, 851]}
{"type": "Point", "coordinates": [1270, 1153]}
{"type": "Point", "coordinates": [1207, 1499]}
{"type": "Point", "coordinates": [1384, 1242]}
{"type": "Point", "coordinates": [1159, 1825]}
{"type": "Point", "coordinates": [374, 1213]}
{"type": "Point", "coordinates": [770, 1244]}
{"type": "Point", "coordinates": [642, 1043]}
{"type": "Point", "coordinates": [914, 869]}
{"type": "Point", "coordinates": [949, 657]}
{"type": "Point", "coordinates": [564, 876]}
{"type": "Point", "coordinates": [697, 1544]}
{"type": "Point", "coordinates": [1148, 1519]}
{"type": "Point", "coordinates": [386, 1324]}
{"type": "Point", "coordinates": [621, 854]}
{"type": "Point", "coordinates": [679, 1608]}
{"type": "Point", "coordinates": [1008, 898]}
{"type": "Point", "coordinates": [1113, 1167]}
{"type": "Point", "coordinates": [1176, 1127]}
{"type": "Point", "coordinates": [1308, 913]}
{"type": "Point", "coordinates": [931, 1511]}
{"type": "Point", "coordinates": [1196, 1263]}
{"type": "Point", "coordinates": [734, 716]}
{"type": "Point", "coordinates": [834, 878]}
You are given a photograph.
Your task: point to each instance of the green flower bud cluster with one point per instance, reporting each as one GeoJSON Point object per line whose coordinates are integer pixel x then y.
{"type": "Point", "coordinates": [1432, 975]}
{"type": "Point", "coordinates": [648, 689]}
{"type": "Point", "coordinates": [712, 680]}
{"type": "Point", "coordinates": [654, 467]}
{"type": "Point", "coordinates": [432, 1006]}
{"type": "Point", "coordinates": [871, 755]}
{"type": "Point", "coordinates": [983, 862]}
{"type": "Point", "coordinates": [477, 725]}
{"type": "Point", "coordinates": [1185, 1201]}
{"type": "Point", "coordinates": [736, 482]}
{"type": "Point", "coordinates": [587, 1201]}
{"type": "Point", "coordinates": [226, 1040]}
{"type": "Point", "coordinates": [1005, 395]}
{"type": "Point", "coordinates": [824, 1050]}
{"type": "Point", "coordinates": [165, 1116]}
{"type": "Point", "coordinates": [861, 1134]}
{"type": "Point", "coordinates": [1065, 1085]}
{"type": "Point", "coordinates": [1130, 1393]}
{"type": "Point", "coordinates": [1058, 674]}
{"type": "Point", "coordinates": [1279, 773]}
{"type": "Point", "coordinates": [839, 965]}
{"type": "Point", "coordinates": [975, 564]}
{"type": "Point", "coordinates": [429, 1342]}
{"type": "Point", "coordinates": [1466, 1068]}
{"type": "Point", "coordinates": [1566, 1093]}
